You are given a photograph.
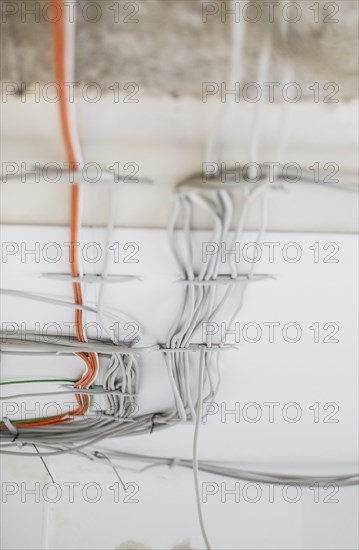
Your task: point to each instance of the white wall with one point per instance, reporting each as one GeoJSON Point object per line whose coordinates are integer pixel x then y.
{"type": "Point", "coordinates": [166, 139]}
{"type": "Point", "coordinates": [304, 292]}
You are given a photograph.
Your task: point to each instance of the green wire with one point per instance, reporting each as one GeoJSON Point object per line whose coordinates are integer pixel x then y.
{"type": "Point", "coordinates": [33, 382]}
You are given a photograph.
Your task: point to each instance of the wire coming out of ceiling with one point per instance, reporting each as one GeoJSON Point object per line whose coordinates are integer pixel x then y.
{"type": "Point", "coordinates": [208, 289]}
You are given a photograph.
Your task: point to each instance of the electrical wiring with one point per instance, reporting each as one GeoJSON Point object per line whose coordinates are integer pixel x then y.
{"type": "Point", "coordinates": [220, 468]}
{"type": "Point", "coordinates": [199, 303]}
{"type": "Point", "coordinates": [203, 301]}
{"type": "Point", "coordinates": [63, 33]}
{"type": "Point", "coordinates": [199, 299]}
{"type": "Point", "coordinates": [233, 471]}
{"type": "Point", "coordinates": [261, 191]}
{"type": "Point", "coordinates": [210, 289]}
{"type": "Point", "coordinates": [202, 304]}
{"type": "Point", "coordinates": [82, 432]}
{"type": "Point", "coordinates": [53, 419]}
{"type": "Point", "coordinates": [37, 348]}
{"type": "Point", "coordinates": [88, 278]}
{"type": "Point", "coordinates": [236, 72]}
{"type": "Point", "coordinates": [35, 381]}
{"type": "Point", "coordinates": [94, 391]}
{"type": "Point", "coordinates": [195, 451]}
{"type": "Point", "coordinates": [122, 371]}
{"type": "Point", "coordinates": [63, 54]}
{"type": "Point", "coordinates": [108, 313]}
{"type": "Point", "coordinates": [119, 399]}
{"type": "Point", "coordinates": [90, 392]}
{"type": "Point", "coordinates": [81, 177]}
{"type": "Point", "coordinates": [106, 262]}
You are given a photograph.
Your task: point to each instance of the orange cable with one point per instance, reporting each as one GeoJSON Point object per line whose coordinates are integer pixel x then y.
{"type": "Point", "coordinates": [90, 359]}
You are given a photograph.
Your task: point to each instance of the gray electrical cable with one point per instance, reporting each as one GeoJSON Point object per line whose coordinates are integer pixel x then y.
{"type": "Point", "coordinates": [74, 391]}
{"type": "Point", "coordinates": [217, 468]}
{"type": "Point", "coordinates": [195, 450]}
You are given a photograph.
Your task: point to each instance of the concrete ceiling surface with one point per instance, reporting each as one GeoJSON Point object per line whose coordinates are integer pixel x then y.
{"type": "Point", "coordinates": [169, 47]}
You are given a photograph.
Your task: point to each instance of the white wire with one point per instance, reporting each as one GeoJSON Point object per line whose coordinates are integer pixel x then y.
{"type": "Point", "coordinates": [195, 449]}
{"type": "Point", "coordinates": [236, 74]}
{"type": "Point", "coordinates": [106, 261]}
{"type": "Point", "coordinates": [70, 48]}
{"type": "Point", "coordinates": [262, 73]}
{"type": "Point", "coordinates": [69, 69]}
{"type": "Point", "coordinates": [110, 314]}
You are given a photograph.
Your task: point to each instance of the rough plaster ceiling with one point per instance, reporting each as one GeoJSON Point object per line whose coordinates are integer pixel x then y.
{"type": "Point", "coordinates": [170, 51]}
